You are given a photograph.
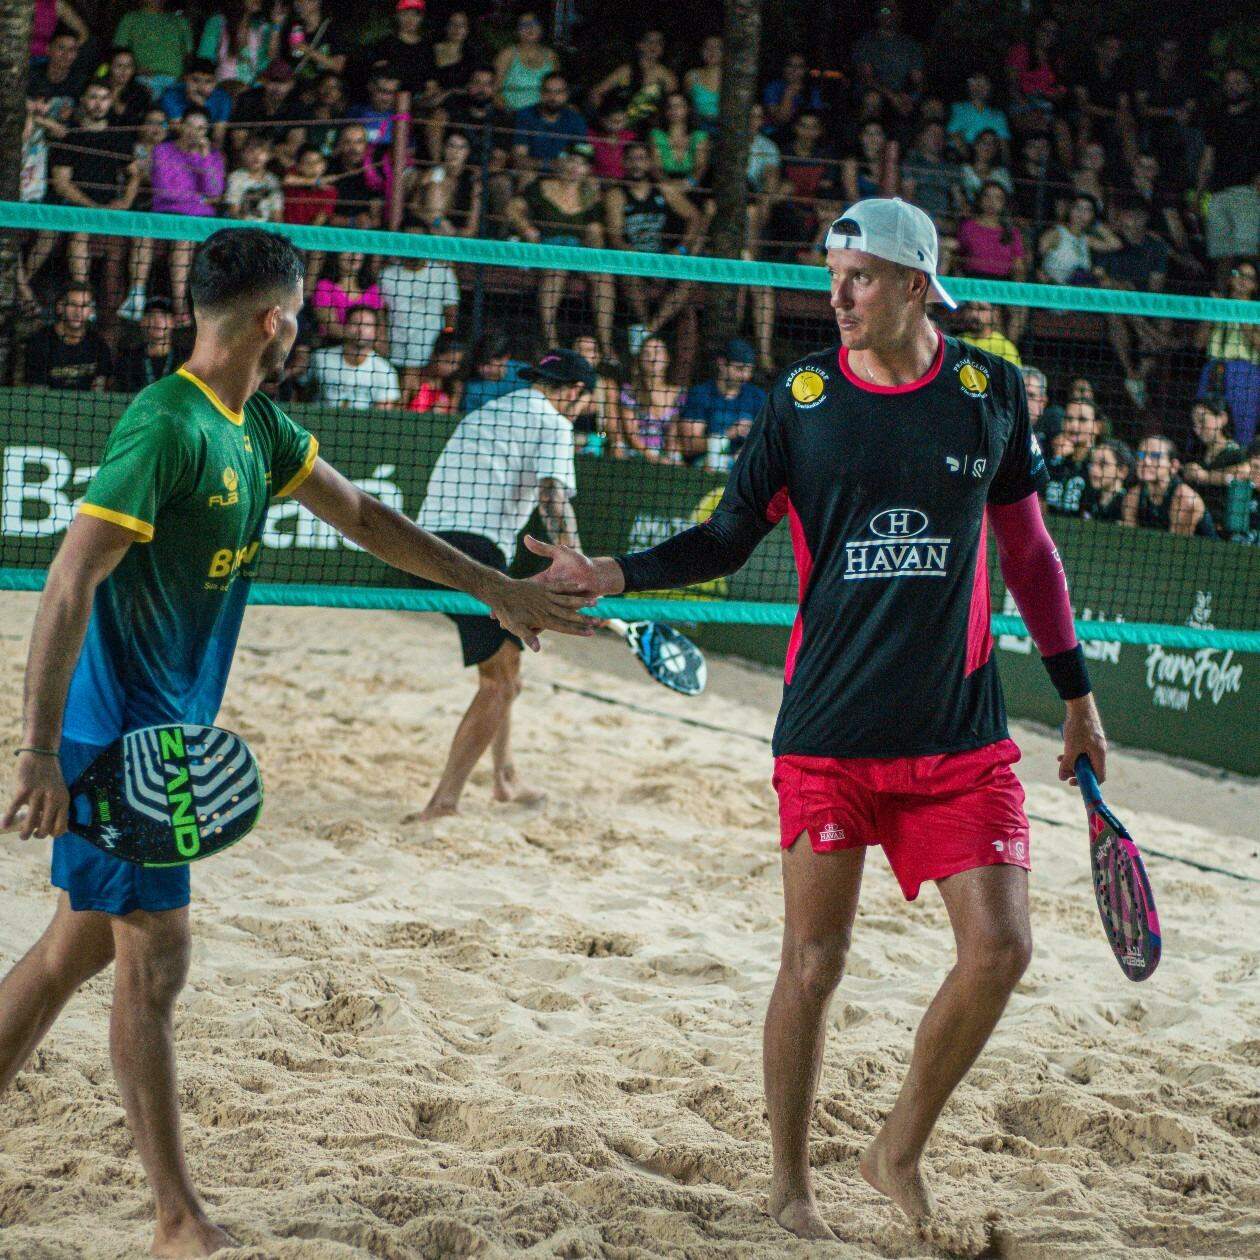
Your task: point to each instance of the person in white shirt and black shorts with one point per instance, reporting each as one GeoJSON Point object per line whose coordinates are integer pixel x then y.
{"type": "Point", "coordinates": [504, 460]}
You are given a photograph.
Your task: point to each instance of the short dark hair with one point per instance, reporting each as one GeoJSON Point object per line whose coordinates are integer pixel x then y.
{"type": "Point", "coordinates": [494, 343]}
{"type": "Point", "coordinates": [240, 263]}
{"type": "Point", "coordinates": [198, 111]}
{"type": "Point", "coordinates": [198, 65]}
{"type": "Point", "coordinates": [359, 307]}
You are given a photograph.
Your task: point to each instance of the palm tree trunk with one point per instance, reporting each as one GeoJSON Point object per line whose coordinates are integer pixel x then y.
{"type": "Point", "coordinates": [15, 55]}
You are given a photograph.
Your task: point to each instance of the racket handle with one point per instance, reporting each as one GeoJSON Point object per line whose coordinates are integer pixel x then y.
{"type": "Point", "coordinates": [617, 626]}
{"type": "Point", "coordinates": [1087, 780]}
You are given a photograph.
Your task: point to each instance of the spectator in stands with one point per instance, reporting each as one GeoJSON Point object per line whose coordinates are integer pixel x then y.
{"type": "Point", "coordinates": [348, 287]}
{"type": "Point", "coordinates": [324, 111]}
{"type": "Point", "coordinates": [253, 192]}
{"type": "Point", "coordinates": [598, 416]}
{"type": "Point", "coordinates": [930, 178]}
{"type": "Point", "coordinates": [453, 57]}
{"type": "Point", "coordinates": [567, 209]}
{"type": "Point", "coordinates": [494, 371]}
{"type": "Point", "coordinates": [132, 100]}
{"type": "Point", "coordinates": [48, 14]}
{"type": "Point", "coordinates": [61, 79]}
{"type": "Point", "coordinates": [269, 108]}
{"type": "Point", "coordinates": [1139, 264]}
{"type": "Point", "coordinates": [1110, 467]}
{"type": "Point", "coordinates": [890, 62]}
{"type": "Point", "coordinates": [547, 129]}
{"type": "Point", "coordinates": [984, 330]}
{"type": "Point", "coordinates": [448, 196]}
{"type": "Point", "coordinates": [680, 150]}
{"type": "Point", "coordinates": [765, 159]}
{"type": "Point", "coordinates": [187, 179]}
{"type": "Point", "coordinates": [703, 84]}
{"type": "Point", "coordinates": [519, 70]}
{"type": "Point", "coordinates": [984, 166]}
{"type": "Point", "coordinates": [155, 355]}
{"type": "Point", "coordinates": [1160, 499]}
{"type": "Point", "coordinates": [377, 113]}
{"type": "Point", "coordinates": [359, 183]}
{"type": "Point", "coordinates": [313, 42]}
{"type": "Point", "coordinates": [421, 300]}
{"type": "Point", "coordinates": [989, 245]}
{"type": "Point", "coordinates": [352, 374]}
{"type": "Point", "coordinates": [1091, 176]}
{"type": "Point", "coordinates": [440, 382]}
{"type": "Point", "coordinates": [93, 167]}
{"type": "Point", "coordinates": [644, 81]}
{"type": "Point", "coordinates": [239, 40]}
{"type": "Point", "coordinates": [651, 217]}
{"type": "Point", "coordinates": [874, 170]}
{"type": "Point", "coordinates": [650, 406]}
{"type": "Point", "coordinates": [1166, 96]}
{"type": "Point", "coordinates": [473, 111]}
{"type": "Point", "coordinates": [1229, 169]}
{"type": "Point", "coordinates": [1037, 391]}
{"type": "Point", "coordinates": [197, 87]}
{"type": "Point", "coordinates": [160, 39]}
{"type": "Point", "coordinates": [968, 118]}
{"type": "Point", "coordinates": [1068, 462]}
{"type": "Point", "coordinates": [309, 199]}
{"type": "Point", "coordinates": [406, 51]}
{"type": "Point", "coordinates": [1080, 390]}
{"type": "Point", "coordinates": [1034, 73]}
{"type": "Point", "coordinates": [1103, 105]}
{"type": "Point", "coordinates": [790, 95]}
{"type": "Point", "coordinates": [1233, 357]}
{"type": "Point", "coordinates": [1146, 184]}
{"type": "Point", "coordinates": [1216, 459]}
{"type": "Point", "coordinates": [1067, 249]}
{"type": "Point", "coordinates": [293, 381]}
{"type": "Point", "coordinates": [70, 354]}
{"type": "Point", "coordinates": [721, 410]}
{"type": "Point", "coordinates": [609, 139]}
{"type": "Point", "coordinates": [808, 186]}
{"type": "Point", "coordinates": [1040, 183]}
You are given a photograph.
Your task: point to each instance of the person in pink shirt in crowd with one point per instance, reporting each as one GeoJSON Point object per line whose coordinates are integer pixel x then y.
{"type": "Point", "coordinates": [44, 21]}
{"type": "Point", "coordinates": [610, 137]}
{"type": "Point", "coordinates": [335, 294]}
{"type": "Point", "coordinates": [188, 178]}
{"type": "Point", "coordinates": [990, 247]}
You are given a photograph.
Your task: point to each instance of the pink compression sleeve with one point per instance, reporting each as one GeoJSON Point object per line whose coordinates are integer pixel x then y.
{"type": "Point", "coordinates": [1033, 573]}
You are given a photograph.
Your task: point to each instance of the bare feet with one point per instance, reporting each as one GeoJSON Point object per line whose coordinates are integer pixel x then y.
{"type": "Point", "coordinates": [507, 787]}
{"type": "Point", "coordinates": [191, 1236]}
{"type": "Point", "coordinates": [901, 1182]}
{"type": "Point", "coordinates": [436, 808]}
{"type": "Point", "coordinates": [799, 1215]}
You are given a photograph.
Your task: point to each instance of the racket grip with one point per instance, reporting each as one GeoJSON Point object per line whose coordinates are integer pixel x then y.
{"type": "Point", "coordinates": [1087, 780]}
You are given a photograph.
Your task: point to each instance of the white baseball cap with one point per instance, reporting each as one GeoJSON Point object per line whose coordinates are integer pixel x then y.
{"type": "Point", "coordinates": [894, 229]}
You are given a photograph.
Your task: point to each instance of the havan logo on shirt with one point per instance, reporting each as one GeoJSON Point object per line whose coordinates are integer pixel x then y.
{"type": "Point", "coordinates": [900, 548]}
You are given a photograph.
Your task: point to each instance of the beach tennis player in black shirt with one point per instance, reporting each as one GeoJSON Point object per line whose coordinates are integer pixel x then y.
{"type": "Point", "coordinates": [891, 455]}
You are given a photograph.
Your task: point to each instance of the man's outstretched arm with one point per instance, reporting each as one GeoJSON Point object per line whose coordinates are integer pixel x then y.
{"type": "Point", "coordinates": [523, 608]}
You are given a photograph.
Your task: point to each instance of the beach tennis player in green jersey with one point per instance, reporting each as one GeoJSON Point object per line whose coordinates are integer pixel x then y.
{"type": "Point", "coordinates": [137, 626]}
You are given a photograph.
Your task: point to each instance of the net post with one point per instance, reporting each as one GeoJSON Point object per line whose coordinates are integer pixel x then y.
{"type": "Point", "coordinates": [398, 157]}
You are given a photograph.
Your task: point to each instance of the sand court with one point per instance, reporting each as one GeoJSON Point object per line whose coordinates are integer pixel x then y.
{"type": "Point", "coordinates": [537, 1030]}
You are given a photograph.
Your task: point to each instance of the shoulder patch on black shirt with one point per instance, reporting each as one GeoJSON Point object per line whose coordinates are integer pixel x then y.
{"type": "Point", "coordinates": [807, 385]}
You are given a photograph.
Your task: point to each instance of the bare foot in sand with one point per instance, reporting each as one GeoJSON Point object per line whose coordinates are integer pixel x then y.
{"type": "Point", "coordinates": [901, 1182]}
{"type": "Point", "coordinates": [191, 1236]}
{"type": "Point", "coordinates": [434, 809]}
{"type": "Point", "coordinates": [507, 787]}
{"type": "Point", "coordinates": [799, 1215]}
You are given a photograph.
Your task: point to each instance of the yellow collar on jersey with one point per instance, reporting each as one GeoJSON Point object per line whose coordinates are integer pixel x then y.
{"type": "Point", "coordinates": [236, 417]}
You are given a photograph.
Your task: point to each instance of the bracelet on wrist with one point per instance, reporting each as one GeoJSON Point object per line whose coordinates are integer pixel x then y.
{"type": "Point", "coordinates": [42, 752]}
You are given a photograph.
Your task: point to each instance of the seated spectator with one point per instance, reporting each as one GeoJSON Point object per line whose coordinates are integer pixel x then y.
{"type": "Point", "coordinates": [1229, 168]}
{"type": "Point", "coordinates": [984, 166]}
{"type": "Point", "coordinates": [680, 149]}
{"type": "Point", "coordinates": [324, 111]}
{"type": "Point", "coordinates": [70, 354]}
{"type": "Point", "coordinates": [1040, 183]}
{"type": "Point", "coordinates": [160, 37]}
{"type": "Point", "coordinates": [1146, 183]}
{"type": "Point", "coordinates": [448, 196]}
{"type": "Point", "coordinates": [1067, 249]}
{"type": "Point", "coordinates": [1037, 392]}
{"type": "Point", "coordinates": [789, 96]}
{"type": "Point", "coordinates": [347, 288]}
{"type": "Point", "coordinates": [967, 119]}
{"type": "Point", "coordinates": [253, 192]}
{"type": "Point", "coordinates": [1217, 459]}
{"type": "Point", "coordinates": [157, 354]}
{"type": "Point", "coordinates": [314, 41]}
{"type": "Point", "coordinates": [930, 178]}
{"type": "Point", "coordinates": [359, 182]}
{"type": "Point", "coordinates": [131, 99]}
{"type": "Point", "coordinates": [293, 381]}
{"type": "Point", "coordinates": [1165, 98]}
{"type": "Point", "coordinates": [600, 407]}
{"type": "Point", "coordinates": [440, 382]}
{"type": "Point", "coordinates": [197, 87]}
{"type": "Point", "coordinates": [1091, 177]}
{"type": "Point", "coordinates": [421, 298]}
{"type": "Point", "coordinates": [1080, 390]}
{"type": "Point", "coordinates": [567, 209]}
{"type": "Point", "coordinates": [1035, 76]}
{"type": "Point", "coordinates": [984, 330]}
{"type": "Point", "coordinates": [721, 410]}
{"type": "Point", "coordinates": [309, 199]}
{"type": "Point", "coordinates": [47, 16]}
{"type": "Point", "coordinates": [874, 170]}
{"type": "Point", "coordinates": [610, 137]}
{"type": "Point", "coordinates": [703, 84]}
{"type": "Point", "coordinates": [407, 51]}
{"type": "Point", "coordinates": [645, 81]}
{"type": "Point", "coordinates": [352, 374]}
{"type": "Point", "coordinates": [1233, 357]}
{"type": "Point", "coordinates": [890, 62]}
{"type": "Point", "coordinates": [269, 108]}
{"type": "Point", "coordinates": [1160, 499]}
{"type": "Point", "coordinates": [61, 79]}
{"type": "Point", "coordinates": [545, 130]}
{"type": "Point", "coordinates": [377, 113]}
{"type": "Point", "coordinates": [1067, 464]}
{"type": "Point", "coordinates": [521, 67]}
{"type": "Point", "coordinates": [989, 246]}
{"type": "Point", "coordinates": [1110, 467]}
{"type": "Point", "coordinates": [473, 111]}
{"type": "Point", "coordinates": [453, 58]}
{"type": "Point", "coordinates": [808, 185]}
{"type": "Point", "coordinates": [1103, 107]}
{"type": "Point", "coordinates": [239, 40]}
{"type": "Point", "coordinates": [650, 406]}
{"type": "Point", "coordinates": [494, 371]}
{"type": "Point", "coordinates": [765, 158]}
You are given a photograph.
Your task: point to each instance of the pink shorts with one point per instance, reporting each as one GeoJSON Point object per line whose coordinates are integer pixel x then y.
{"type": "Point", "coordinates": [934, 816]}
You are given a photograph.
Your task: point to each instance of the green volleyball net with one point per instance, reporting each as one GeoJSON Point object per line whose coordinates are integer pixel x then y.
{"type": "Point", "coordinates": [406, 332]}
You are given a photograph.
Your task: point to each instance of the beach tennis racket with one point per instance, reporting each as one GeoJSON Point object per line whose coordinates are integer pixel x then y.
{"type": "Point", "coordinates": [1123, 892]}
{"type": "Point", "coordinates": [671, 658]}
{"type": "Point", "coordinates": [168, 795]}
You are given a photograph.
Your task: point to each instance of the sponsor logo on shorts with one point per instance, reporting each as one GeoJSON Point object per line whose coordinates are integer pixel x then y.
{"type": "Point", "coordinates": [830, 833]}
{"type": "Point", "coordinates": [1016, 848]}
{"type": "Point", "coordinates": [807, 386]}
{"type": "Point", "coordinates": [900, 548]}
{"type": "Point", "coordinates": [973, 379]}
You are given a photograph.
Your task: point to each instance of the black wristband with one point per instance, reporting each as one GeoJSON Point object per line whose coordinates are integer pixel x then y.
{"type": "Point", "coordinates": [1068, 673]}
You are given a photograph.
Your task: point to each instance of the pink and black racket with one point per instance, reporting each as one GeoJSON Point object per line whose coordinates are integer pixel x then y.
{"type": "Point", "coordinates": [1123, 892]}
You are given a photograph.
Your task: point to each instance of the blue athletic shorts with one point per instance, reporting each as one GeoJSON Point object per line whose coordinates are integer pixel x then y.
{"type": "Point", "coordinates": [97, 881]}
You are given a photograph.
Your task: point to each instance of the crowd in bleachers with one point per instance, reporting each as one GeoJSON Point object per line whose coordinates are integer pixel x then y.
{"type": "Point", "coordinates": [1057, 160]}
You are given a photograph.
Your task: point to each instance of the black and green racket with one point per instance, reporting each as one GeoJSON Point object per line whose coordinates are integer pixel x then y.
{"type": "Point", "coordinates": [168, 795]}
